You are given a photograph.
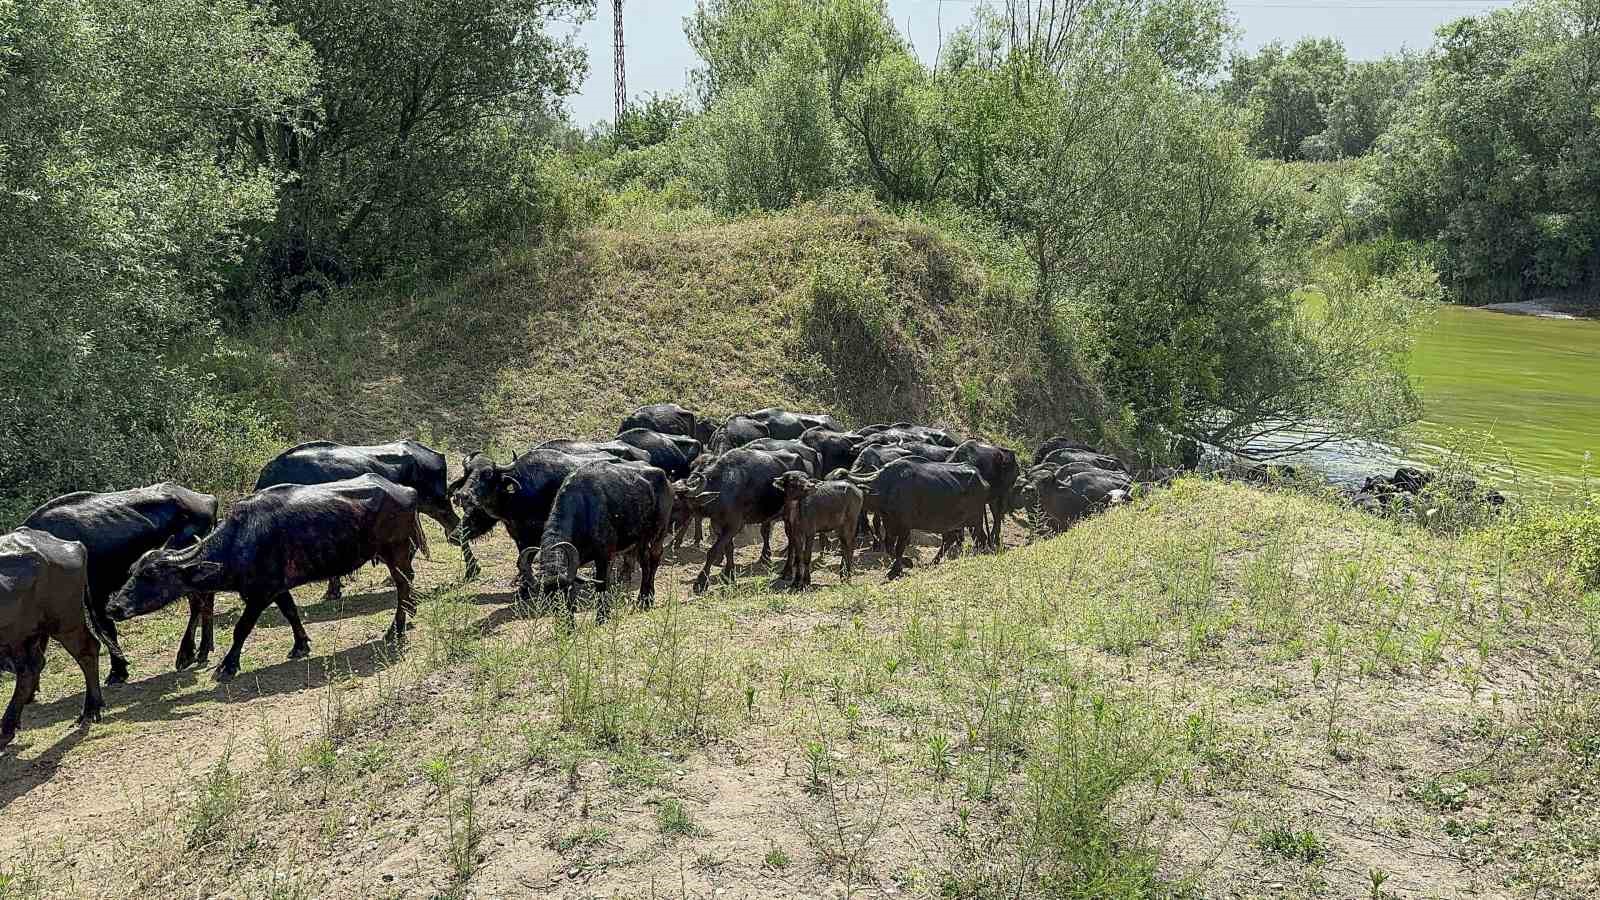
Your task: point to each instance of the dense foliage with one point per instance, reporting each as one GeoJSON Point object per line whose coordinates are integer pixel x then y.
{"type": "Point", "coordinates": [164, 165]}
{"type": "Point", "coordinates": [1086, 134]}
{"type": "Point", "coordinates": [1314, 103]}
{"type": "Point", "coordinates": [1498, 157]}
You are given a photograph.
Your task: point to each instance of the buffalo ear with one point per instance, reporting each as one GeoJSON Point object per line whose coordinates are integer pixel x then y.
{"type": "Point", "coordinates": [512, 485]}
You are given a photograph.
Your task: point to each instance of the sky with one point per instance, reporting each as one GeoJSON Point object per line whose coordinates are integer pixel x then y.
{"type": "Point", "coordinates": [659, 57]}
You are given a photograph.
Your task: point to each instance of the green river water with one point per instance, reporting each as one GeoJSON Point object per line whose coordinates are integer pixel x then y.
{"type": "Point", "coordinates": [1533, 383]}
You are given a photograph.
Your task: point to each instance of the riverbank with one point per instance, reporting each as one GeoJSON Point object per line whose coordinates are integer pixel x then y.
{"type": "Point", "coordinates": [1543, 309]}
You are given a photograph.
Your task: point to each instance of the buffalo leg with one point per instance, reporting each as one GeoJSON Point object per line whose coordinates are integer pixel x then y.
{"type": "Point", "coordinates": [895, 543]}
{"type": "Point", "coordinates": [470, 561]}
{"type": "Point", "coordinates": [405, 604]}
{"type": "Point", "coordinates": [201, 607]}
{"type": "Point", "coordinates": [334, 591]}
{"type": "Point", "coordinates": [254, 605]}
{"type": "Point", "coordinates": [649, 560]}
{"type": "Point", "coordinates": [1000, 512]}
{"type": "Point", "coordinates": [602, 603]}
{"type": "Point", "coordinates": [847, 551]}
{"type": "Point", "coordinates": [722, 547]}
{"type": "Point", "coordinates": [766, 544]}
{"type": "Point", "coordinates": [85, 650]}
{"type": "Point", "coordinates": [119, 663]}
{"type": "Point", "coordinates": [302, 641]}
{"type": "Point", "coordinates": [28, 668]}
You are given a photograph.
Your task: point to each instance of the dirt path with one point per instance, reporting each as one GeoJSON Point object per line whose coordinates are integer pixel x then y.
{"type": "Point", "coordinates": [164, 730]}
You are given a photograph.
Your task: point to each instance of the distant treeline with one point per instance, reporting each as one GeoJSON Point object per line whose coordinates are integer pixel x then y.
{"type": "Point", "coordinates": [1485, 148]}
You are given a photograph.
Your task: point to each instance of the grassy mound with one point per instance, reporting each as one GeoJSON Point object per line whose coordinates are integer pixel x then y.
{"type": "Point", "coordinates": [858, 313]}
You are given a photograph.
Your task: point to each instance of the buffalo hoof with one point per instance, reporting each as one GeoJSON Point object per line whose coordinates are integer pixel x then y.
{"type": "Point", "coordinates": [89, 717]}
{"type": "Point", "coordinates": [701, 584]}
{"type": "Point", "coordinates": [117, 677]}
{"type": "Point", "coordinates": [185, 660]}
{"type": "Point", "coordinates": [300, 651]}
{"type": "Point", "coordinates": [6, 737]}
{"type": "Point", "coordinates": [394, 637]}
{"type": "Point", "coordinates": [225, 672]}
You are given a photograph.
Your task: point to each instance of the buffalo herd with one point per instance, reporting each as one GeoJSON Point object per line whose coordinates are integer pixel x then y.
{"type": "Point", "coordinates": [82, 563]}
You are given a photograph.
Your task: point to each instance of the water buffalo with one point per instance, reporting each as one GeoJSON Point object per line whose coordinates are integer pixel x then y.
{"type": "Point", "coordinates": [520, 495]}
{"type": "Point", "coordinates": [735, 491]}
{"type": "Point", "coordinates": [1063, 455]}
{"type": "Point", "coordinates": [1065, 497]}
{"type": "Point", "coordinates": [999, 468]}
{"type": "Point", "coordinates": [616, 449]}
{"type": "Point", "coordinates": [278, 539]}
{"type": "Point", "coordinates": [406, 463]}
{"type": "Point", "coordinates": [809, 456]}
{"type": "Point", "coordinates": [669, 418]}
{"type": "Point", "coordinates": [786, 425]}
{"type": "Point", "coordinates": [836, 450]}
{"type": "Point", "coordinates": [908, 431]}
{"type": "Point", "coordinates": [116, 529]}
{"type": "Point", "coordinates": [600, 511]}
{"type": "Point", "coordinates": [915, 495]}
{"type": "Point", "coordinates": [673, 454]}
{"type": "Point", "coordinates": [811, 507]}
{"type": "Point", "coordinates": [1059, 442]}
{"type": "Point", "coordinates": [735, 432]}
{"type": "Point", "coordinates": [44, 591]}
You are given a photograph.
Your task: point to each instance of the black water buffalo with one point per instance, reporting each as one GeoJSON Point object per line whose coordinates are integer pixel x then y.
{"type": "Point", "coordinates": [809, 456]}
{"type": "Point", "coordinates": [736, 432]}
{"type": "Point", "coordinates": [1410, 479]}
{"type": "Point", "coordinates": [836, 450]}
{"type": "Point", "coordinates": [671, 453]}
{"type": "Point", "coordinates": [1059, 442]}
{"type": "Point", "coordinates": [915, 495]}
{"type": "Point", "coordinates": [406, 463]}
{"type": "Point", "coordinates": [615, 449]}
{"type": "Point", "coordinates": [908, 431]}
{"type": "Point", "coordinates": [118, 528]}
{"type": "Point", "coordinates": [44, 589]}
{"type": "Point", "coordinates": [520, 495]}
{"type": "Point", "coordinates": [1063, 455]}
{"type": "Point", "coordinates": [669, 418]}
{"type": "Point", "coordinates": [1000, 469]}
{"type": "Point", "coordinates": [600, 511]}
{"type": "Point", "coordinates": [734, 491]}
{"type": "Point", "coordinates": [278, 539]}
{"type": "Point", "coordinates": [786, 425]}
{"type": "Point", "coordinates": [1065, 497]}
{"type": "Point", "coordinates": [812, 507]}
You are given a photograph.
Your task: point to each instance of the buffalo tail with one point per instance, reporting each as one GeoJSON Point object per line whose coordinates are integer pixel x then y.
{"type": "Point", "coordinates": [94, 627]}
{"type": "Point", "coordinates": [419, 538]}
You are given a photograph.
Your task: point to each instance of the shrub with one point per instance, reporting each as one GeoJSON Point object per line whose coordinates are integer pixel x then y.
{"type": "Point", "coordinates": [1559, 541]}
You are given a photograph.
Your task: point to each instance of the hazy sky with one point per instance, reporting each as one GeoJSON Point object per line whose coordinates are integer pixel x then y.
{"type": "Point", "coordinates": [659, 56]}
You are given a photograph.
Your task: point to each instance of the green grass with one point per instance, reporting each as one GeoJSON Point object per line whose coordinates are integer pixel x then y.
{"type": "Point", "coordinates": [841, 308]}
{"type": "Point", "coordinates": [968, 731]}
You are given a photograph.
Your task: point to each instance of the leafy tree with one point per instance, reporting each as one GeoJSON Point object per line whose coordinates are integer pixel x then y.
{"type": "Point", "coordinates": [1498, 156]}
{"type": "Point", "coordinates": [117, 217]}
{"type": "Point", "coordinates": [652, 121]}
{"type": "Point", "coordinates": [1372, 95]}
{"type": "Point", "coordinates": [1292, 90]}
{"type": "Point", "coordinates": [415, 134]}
{"type": "Point", "coordinates": [772, 142]}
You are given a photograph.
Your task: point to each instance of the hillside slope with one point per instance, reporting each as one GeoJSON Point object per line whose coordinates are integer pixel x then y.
{"type": "Point", "coordinates": [1217, 691]}
{"type": "Point", "coordinates": [860, 314]}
